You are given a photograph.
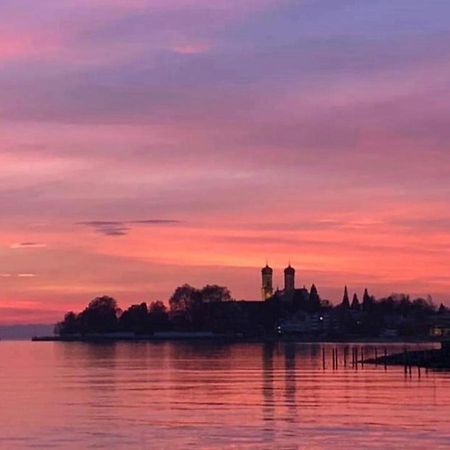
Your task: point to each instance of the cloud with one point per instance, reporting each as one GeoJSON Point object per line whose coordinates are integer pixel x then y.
{"type": "Point", "coordinates": [19, 275]}
{"type": "Point", "coordinates": [231, 76]}
{"type": "Point", "coordinates": [120, 228]}
{"type": "Point", "coordinates": [155, 221]}
{"type": "Point", "coordinates": [28, 245]}
{"type": "Point", "coordinates": [108, 228]}
{"type": "Point", "coordinates": [429, 224]}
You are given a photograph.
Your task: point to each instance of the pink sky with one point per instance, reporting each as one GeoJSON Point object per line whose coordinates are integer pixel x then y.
{"type": "Point", "coordinates": [145, 144]}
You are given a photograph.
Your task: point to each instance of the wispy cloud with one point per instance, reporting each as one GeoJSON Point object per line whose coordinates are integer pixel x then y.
{"type": "Point", "coordinates": [18, 275]}
{"type": "Point", "coordinates": [155, 221]}
{"type": "Point", "coordinates": [28, 245]}
{"type": "Point", "coordinates": [108, 228]}
{"type": "Point", "coordinates": [122, 228]}
{"type": "Point", "coordinates": [427, 224]}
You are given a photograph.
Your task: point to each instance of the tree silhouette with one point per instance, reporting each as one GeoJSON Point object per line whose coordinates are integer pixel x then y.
{"type": "Point", "coordinates": [355, 303]}
{"type": "Point", "coordinates": [158, 316]}
{"type": "Point", "coordinates": [135, 319]}
{"type": "Point", "coordinates": [185, 307]}
{"type": "Point", "coordinates": [70, 325]}
{"type": "Point", "coordinates": [345, 300]}
{"type": "Point", "coordinates": [314, 298]}
{"type": "Point", "coordinates": [100, 316]}
{"type": "Point", "coordinates": [184, 298]}
{"type": "Point", "coordinates": [367, 301]}
{"type": "Point", "coordinates": [212, 293]}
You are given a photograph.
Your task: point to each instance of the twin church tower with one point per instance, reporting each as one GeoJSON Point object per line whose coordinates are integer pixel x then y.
{"type": "Point", "coordinates": [267, 281]}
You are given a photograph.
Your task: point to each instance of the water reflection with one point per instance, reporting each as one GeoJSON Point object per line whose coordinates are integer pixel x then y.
{"type": "Point", "coordinates": [180, 395]}
{"type": "Point", "coordinates": [290, 381]}
{"type": "Point", "coordinates": [268, 404]}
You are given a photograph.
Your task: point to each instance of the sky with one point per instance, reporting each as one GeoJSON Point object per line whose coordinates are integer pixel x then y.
{"type": "Point", "coordinates": [149, 143]}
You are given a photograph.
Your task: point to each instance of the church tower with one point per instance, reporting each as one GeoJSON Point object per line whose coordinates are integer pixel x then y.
{"type": "Point", "coordinates": [289, 279]}
{"type": "Point", "coordinates": [267, 284]}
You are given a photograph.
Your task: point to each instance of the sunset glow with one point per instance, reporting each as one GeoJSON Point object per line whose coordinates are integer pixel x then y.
{"type": "Point", "coordinates": [146, 144]}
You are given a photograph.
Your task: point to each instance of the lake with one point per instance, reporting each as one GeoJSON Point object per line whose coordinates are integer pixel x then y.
{"type": "Point", "coordinates": [205, 395]}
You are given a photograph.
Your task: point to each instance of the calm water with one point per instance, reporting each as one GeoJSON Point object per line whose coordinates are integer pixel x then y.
{"type": "Point", "coordinates": [179, 395]}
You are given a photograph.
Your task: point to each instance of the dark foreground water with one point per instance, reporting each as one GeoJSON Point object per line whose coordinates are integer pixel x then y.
{"type": "Point", "coordinates": [185, 395]}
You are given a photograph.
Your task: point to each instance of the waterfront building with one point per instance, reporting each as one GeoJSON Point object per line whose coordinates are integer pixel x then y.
{"type": "Point", "coordinates": [290, 294]}
{"type": "Point", "coordinates": [267, 282]}
{"type": "Point", "coordinates": [440, 326]}
{"type": "Point", "coordinates": [289, 279]}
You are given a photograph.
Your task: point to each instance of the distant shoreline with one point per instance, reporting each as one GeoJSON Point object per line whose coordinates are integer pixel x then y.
{"type": "Point", "coordinates": [210, 337]}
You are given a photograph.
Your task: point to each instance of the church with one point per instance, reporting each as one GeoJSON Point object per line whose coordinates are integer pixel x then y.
{"type": "Point", "coordinates": [290, 293]}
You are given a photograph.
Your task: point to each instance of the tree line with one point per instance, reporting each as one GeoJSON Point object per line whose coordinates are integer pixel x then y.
{"type": "Point", "coordinates": [409, 317]}
{"type": "Point", "coordinates": [212, 308]}
{"type": "Point", "coordinates": [189, 310]}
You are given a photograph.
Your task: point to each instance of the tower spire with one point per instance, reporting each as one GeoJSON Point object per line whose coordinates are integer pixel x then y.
{"type": "Point", "coordinates": [267, 282]}
{"type": "Point", "coordinates": [289, 279]}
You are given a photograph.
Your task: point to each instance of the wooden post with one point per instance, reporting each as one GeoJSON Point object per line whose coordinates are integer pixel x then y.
{"type": "Point", "coordinates": [408, 361]}
{"type": "Point", "coordinates": [323, 358]}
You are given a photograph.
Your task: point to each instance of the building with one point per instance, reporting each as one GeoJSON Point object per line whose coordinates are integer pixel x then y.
{"type": "Point", "coordinates": [289, 279]}
{"type": "Point", "coordinates": [267, 290]}
{"type": "Point", "coordinates": [440, 326]}
{"type": "Point", "coordinates": [267, 282]}
{"type": "Point", "coordinates": [308, 324]}
{"type": "Point", "coordinates": [299, 297]}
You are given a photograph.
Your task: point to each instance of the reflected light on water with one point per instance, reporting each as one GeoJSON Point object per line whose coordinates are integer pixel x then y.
{"type": "Point", "coordinates": [179, 395]}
